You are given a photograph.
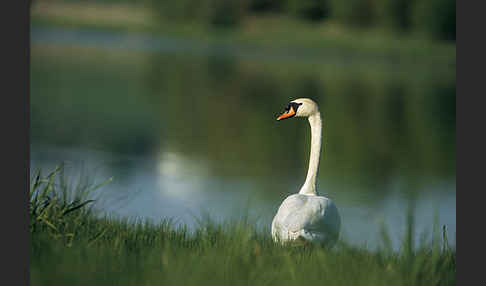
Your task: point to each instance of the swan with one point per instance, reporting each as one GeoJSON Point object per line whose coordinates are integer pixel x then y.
{"type": "Point", "coordinates": [306, 216]}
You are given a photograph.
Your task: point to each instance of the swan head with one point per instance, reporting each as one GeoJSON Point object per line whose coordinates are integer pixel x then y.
{"type": "Point", "coordinates": [301, 107]}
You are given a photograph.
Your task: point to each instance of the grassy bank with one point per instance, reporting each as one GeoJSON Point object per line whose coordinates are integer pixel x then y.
{"type": "Point", "coordinates": [70, 244]}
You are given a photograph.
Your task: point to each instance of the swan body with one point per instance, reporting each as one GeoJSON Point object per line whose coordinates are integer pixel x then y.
{"type": "Point", "coordinates": [307, 216]}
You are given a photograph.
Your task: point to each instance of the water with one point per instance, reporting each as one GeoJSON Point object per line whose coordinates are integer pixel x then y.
{"type": "Point", "coordinates": [185, 129]}
{"type": "Point", "coordinates": [172, 186]}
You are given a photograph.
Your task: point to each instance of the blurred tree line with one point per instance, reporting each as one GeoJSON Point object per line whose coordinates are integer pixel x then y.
{"type": "Point", "coordinates": [434, 18]}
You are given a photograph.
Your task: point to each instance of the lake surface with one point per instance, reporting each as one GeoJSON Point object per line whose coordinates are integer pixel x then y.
{"type": "Point", "coordinates": [187, 128]}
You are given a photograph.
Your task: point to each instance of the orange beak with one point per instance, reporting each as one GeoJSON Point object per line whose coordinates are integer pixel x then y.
{"type": "Point", "coordinates": [287, 114]}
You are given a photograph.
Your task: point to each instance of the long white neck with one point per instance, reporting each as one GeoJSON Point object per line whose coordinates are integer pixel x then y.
{"type": "Point", "coordinates": [309, 187]}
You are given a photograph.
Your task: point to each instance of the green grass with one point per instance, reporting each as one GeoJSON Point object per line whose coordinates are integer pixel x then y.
{"type": "Point", "coordinates": [71, 245]}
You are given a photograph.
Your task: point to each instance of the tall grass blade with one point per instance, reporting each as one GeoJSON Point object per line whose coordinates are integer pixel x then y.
{"type": "Point", "coordinates": [77, 207]}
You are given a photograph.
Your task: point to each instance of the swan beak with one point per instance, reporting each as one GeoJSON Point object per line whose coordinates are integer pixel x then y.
{"type": "Point", "coordinates": [287, 114]}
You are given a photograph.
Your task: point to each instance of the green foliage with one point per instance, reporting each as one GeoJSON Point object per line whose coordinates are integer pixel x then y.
{"type": "Point", "coordinates": [314, 10]}
{"type": "Point", "coordinates": [434, 18]}
{"type": "Point", "coordinates": [360, 13]}
{"type": "Point", "coordinates": [226, 12]}
{"type": "Point", "coordinates": [266, 5]}
{"type": "Point", "coordinates": [395, 15]}
{"type": "Point", "coordinates": [217, 13]}
{"type": "Point", "coordinates": [79, 248]}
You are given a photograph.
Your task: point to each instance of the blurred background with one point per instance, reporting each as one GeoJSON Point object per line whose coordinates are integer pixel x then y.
{"type": "Point", "coordinates": [177, 101]}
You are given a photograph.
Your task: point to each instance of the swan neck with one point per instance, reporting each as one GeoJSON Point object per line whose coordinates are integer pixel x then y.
{"type": "Point", "coordinates": [309, 187]}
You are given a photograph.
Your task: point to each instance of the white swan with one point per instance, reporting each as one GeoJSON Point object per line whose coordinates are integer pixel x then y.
{"type": "Point", "coordinates": [307, 216]}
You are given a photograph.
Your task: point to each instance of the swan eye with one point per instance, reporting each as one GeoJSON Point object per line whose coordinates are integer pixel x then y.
{"type": "Point", "coordinates": [295, 105]}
